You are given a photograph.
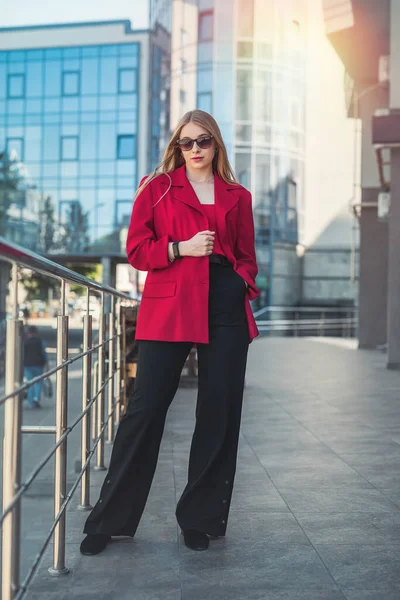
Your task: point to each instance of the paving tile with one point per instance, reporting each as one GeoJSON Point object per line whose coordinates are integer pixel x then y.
{"type": "Point", "coordinates": [356, 567]}
{"type": "Point", "coordinates": [343, 499]}
{"type": "Point", "coordinates": [192, 590]}
{"type": "Point", "coordinates": [344, 528]}
{"type": "Point", "coordinates": [272, 567]}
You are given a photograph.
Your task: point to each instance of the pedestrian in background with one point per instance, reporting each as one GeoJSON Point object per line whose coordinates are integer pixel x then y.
{"type": "Point", "coordinates": [35, 360]}
{"type": "Point", "coordinates": [192, 230]}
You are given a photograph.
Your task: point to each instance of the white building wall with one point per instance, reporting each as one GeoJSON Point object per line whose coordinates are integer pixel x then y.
{"type": "Point", "coordinates": [330, 135]}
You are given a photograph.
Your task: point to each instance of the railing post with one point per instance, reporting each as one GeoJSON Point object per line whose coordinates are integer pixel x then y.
{"type": "Point", "coordinates": [60, 480]}
{"type": "Point", "coordinates": [100, 400]}
{"type": "Point", "coordinates": [94, 405]}
{"type": "Point", "coordinates": [86, 397]}
{"type": "Point", "coordinates": [124, 376]}
{"type": "Point", "coordinates": [111, 374]}
{"type": "Point", "coordinates": [12, 455]}
{"type": "Point", "coordinates": [322, 326]}
{"type": "Point", "coordinates": [119, 365]}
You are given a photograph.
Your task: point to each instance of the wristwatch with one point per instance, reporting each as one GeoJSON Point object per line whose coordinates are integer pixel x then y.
{"type": "Point", "coordinates": [175, 249]}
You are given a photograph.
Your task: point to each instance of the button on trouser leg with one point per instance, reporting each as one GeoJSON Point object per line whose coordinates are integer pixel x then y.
{"type": "Point", "coordinates": [137, 442]}
{"type": "Point", "coordinates": [204, 504]}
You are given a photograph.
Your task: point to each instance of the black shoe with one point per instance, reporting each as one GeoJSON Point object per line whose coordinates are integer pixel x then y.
{"type": "Point", "coordinates": [94, 543]}
{"type": "Point", "coordinates": [196, 540]}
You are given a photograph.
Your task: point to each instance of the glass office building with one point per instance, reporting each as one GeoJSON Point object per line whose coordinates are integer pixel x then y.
{"type": "Point", "coordinates": [75, 111]}
{"type": "Point", "coordinates": [244, 62]}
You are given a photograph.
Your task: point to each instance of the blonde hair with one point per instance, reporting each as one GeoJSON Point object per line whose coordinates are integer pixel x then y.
{"type": "Point", "coordinates": [173, 158]}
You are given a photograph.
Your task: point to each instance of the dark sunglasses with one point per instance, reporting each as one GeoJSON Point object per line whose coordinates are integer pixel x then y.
{"type": "Point", "coordinates": [204, 142]}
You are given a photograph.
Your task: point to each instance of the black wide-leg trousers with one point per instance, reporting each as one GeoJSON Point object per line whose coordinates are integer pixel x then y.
{"type": "Point", "coordinates": [205, 502]}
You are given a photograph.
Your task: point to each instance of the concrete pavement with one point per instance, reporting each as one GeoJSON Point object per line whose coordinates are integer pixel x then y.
{"type": "Point", "coordinates": [316, 506]}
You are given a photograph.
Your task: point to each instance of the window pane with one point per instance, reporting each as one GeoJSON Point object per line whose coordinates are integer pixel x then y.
{"type": "Point", "coordinates": [52, 105]}
{"type": "Point", "coordinates": [88, 144]}
{"type": "Point", "coordinates": [245, 49]}
{"type": "Point", "coordinates": [69, 169]}
{"type": "Point", "coordinates": [108, 103]}
{"type": "Point", "coordinates": [70, 83]}
{"type": "Point", "coordinates": [50, 169]}
{"type": "Point", "coordinates": [33, 106]}
{"type": "Point", "coordinates": [17, 56]}
{"type": "Point", "coordinates": [71, 52]}
{"type": "Point", "coordinates": [262, 178]}
{"type": "Point", "coordinates": [243, 168]}
{"type": "Point", "coordinates": [90, 69]}
{"type": "Point", "coordinates": [51, 142]}
{"type": "Point", "coordinates": [108, 77]}
{"type": "Point", "coordinates": [128, 61]}
{"type": "Point", "coordinates": [16, 107]}
{"type": "Point", "coordinates": [33, 150]}
{"type": "Point", "coordinates": [125, 169]}
{"type": "Point", "coordinates": [34, 80]}
{"type": "Point", "coordinates": [126, 146]}
{"type": "Point", "coordinates": [127, 80]}
{"type": "Point", "coordinates": [90, 51]}
{"type": "Point", "coordinates": [88, 169]}
{"type": "Point", "coordinates": [244, 95]}
{"type": "Point", "coordinates": [106, 141]}
{"type": "Point", "coordinates": [243, 133]}
{"type": "Point", "coordinates": [204, 81]}
{"type": "Point", "coordinates": [16, 86]}
{"type": "Point", "coordinates": [89, 103]}
{"type": "Point", "coordinates": [32, 55]}
{"type": "Point", "coordinates": [205, 53]}
{"type": "Point", "coordinates": [69, 148]}
{"type": "Point", "coordinates": [128, 102]}
{"type": "Point", "coordinates": [52, 78]}
{"type": "Point", "coordinates": [204, 102]}
{"type": "Point", "coordinates": [205, 4]}
{"type": "Point", "coordinates": [70, 104]}
{"type": "Point", "coordinates": [205, 26]}
{"type": "Point", "coordinates": [3, 81]}
{"type": "Point", "coordinates": [245, 18]}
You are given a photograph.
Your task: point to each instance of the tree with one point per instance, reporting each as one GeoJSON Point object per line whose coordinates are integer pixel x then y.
{"type": "Point", "coordinates": [10, 180]}
{"type": "Point", "coordinates": [75, 236]}
{"type": "Point", "coordinates": [47, 226]}
{"type": "Point", "coordinates": [89, 271]}
{"type": "Point", "coordinates": [37, 285]}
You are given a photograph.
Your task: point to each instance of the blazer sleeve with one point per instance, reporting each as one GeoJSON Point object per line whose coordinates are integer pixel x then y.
{"type": "Point", "coordinates": [245, 253]}
{"type": "Point", "coordinates": [144, 251]}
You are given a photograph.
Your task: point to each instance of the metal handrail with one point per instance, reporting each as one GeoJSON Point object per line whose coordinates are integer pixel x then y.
{"type": "Point", "coordinates": [303, 309]}
{"type": "Point", "coordinates": [14, 489]}
{"type": "Point", "coordinates": [347, 325]}
{"type": "Point", "coordinates": [30, 260]}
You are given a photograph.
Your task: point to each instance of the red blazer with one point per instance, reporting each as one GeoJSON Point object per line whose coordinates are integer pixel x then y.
{"type": "Point", "coordinates": [174, 304]}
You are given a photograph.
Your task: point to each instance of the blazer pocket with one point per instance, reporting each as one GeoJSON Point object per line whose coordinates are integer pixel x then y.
{"type": "Point", "coordinates": [159, 290]}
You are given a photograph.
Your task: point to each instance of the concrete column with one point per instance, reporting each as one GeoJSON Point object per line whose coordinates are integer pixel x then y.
{"type": "Point", "coordinates": [109, 277]}
{"type": "Point", "coordinates": [373, 275]}
{"type": "Point", "coordinates": [373, 234]}
{"type": "Point", "coordinates": [393, 330]}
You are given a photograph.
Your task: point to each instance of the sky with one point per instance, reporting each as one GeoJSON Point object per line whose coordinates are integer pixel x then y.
{"type": "Point", "coordinates": [41, 12]}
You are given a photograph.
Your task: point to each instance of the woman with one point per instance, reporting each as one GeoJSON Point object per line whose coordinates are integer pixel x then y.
{"type": "Point", "coordinates": [192, 230]}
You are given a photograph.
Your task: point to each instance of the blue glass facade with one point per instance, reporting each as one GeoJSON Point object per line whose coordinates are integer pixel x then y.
{"type": "Point", "coordinates": [70, 116]}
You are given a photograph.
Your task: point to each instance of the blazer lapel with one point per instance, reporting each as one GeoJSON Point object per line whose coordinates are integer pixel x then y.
{"type": "Point", "coordinates": [182, 190]}
{"type": "Point", "coordinates": [224, 199]}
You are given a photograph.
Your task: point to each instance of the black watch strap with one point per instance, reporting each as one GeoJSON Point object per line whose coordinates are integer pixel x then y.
{"type": "Point", "coordinates": [175, 249]}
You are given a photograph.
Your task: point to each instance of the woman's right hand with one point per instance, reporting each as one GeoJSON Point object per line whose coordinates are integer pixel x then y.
{"type": "Point", "coordinates": [200, 244]}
